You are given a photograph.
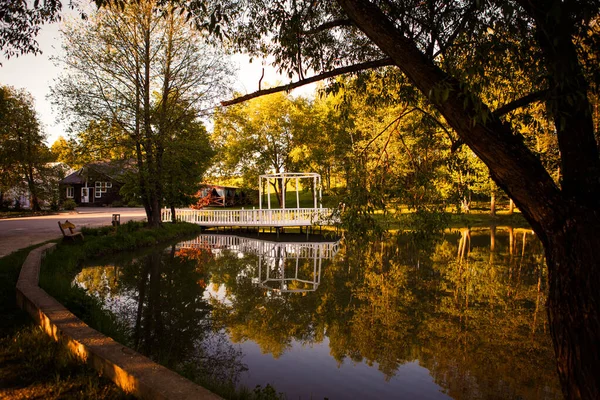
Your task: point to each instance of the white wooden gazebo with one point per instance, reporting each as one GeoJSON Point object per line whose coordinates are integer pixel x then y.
{"type": "Point", "coordinates": [268, 180]}
{"type": "Point", "coordinates": [265, 217]}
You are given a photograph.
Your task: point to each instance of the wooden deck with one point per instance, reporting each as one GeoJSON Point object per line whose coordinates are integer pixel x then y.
{"type": "Point", "coordinates": [254, 218]}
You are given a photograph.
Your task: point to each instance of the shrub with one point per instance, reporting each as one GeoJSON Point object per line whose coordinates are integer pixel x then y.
{"type": "Point", "coordinates": [117, 203]}
{"type": "Point", "coordinates": [133, 203]}
{"type": "Point", "coordinates": [5, 204]}
{"type": "Point", "coordinates": [69, 204]}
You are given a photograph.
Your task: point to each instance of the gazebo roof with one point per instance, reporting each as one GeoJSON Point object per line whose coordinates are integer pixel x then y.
{"type": "Point", "coordinates": [291, 175]}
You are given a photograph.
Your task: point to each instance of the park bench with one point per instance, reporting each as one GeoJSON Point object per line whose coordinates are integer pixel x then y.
{"type": "Point", "coordinates": [68, 230]}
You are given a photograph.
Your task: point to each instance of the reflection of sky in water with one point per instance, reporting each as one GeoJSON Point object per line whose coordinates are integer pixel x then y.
{"type": "Point", "coordinates": [309, 371]}
{"type": "Point", "coordinates": [124, 303]}
{"type": "Point", "coordinates": [220, 294]}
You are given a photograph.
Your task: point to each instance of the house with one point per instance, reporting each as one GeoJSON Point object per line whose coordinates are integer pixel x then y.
{"type": "Point", "coordinates": [96, 183]}
{"type": "Point", "coordinates": [220, 196]}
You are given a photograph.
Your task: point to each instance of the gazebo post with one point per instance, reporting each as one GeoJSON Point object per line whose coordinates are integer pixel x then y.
{"type": "Point", "coordinates": [283, 185]}
{"type": "Point", "coordinates": [268, 193]}
{"type": "Point", "coordinates": [320, 192]}
{"type": "Point", "coordinates": [315, 191]}
{"type": "Point", "coordinates": [260, 192]}
{"type": "Point", "coordinates": [297, 195]}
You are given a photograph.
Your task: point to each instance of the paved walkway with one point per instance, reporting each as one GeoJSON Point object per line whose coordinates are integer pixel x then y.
{"type": "Point", "coordinates": [17, 233]}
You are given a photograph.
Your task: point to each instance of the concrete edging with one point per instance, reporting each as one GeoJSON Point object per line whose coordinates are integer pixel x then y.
{"type": "Point", "coordinates": [133, 372]}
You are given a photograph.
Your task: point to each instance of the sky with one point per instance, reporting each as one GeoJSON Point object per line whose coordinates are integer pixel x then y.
{"type": "Point", "coordinates": [36, 73]}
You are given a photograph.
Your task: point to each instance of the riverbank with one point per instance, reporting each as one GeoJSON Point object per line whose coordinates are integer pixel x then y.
{"type": "Point", "coordinates": [32, 365]}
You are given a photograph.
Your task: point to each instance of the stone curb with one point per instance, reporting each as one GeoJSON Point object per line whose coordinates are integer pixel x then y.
{"type": "Point", "coordinates": [133, 372]}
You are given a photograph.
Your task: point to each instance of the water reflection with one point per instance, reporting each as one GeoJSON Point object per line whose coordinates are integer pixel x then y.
{"type": "Point", "coordinates": [283, 266]}
{"type": "Point", "coordinates": [459, 315]}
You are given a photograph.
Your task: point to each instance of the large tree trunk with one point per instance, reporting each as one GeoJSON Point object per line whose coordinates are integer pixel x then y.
{"type": "Point", "coordinates": [153, 177]}
{"type": "Point", "coordinates": [574, 304]}
{"type": "Point", "coordinates": [35, 202]}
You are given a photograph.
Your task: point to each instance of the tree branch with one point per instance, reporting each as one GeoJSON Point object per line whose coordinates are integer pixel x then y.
{"type": "Point", "coordinates": [328, 25]}
{"type": "Point", "coordinates": [330, 74]}
{"type": "Point", "coordinates": [397, 119]}
{"type": "Point", "coordinates": [512, 165]}
{"type": "Point", "coordinates": [523, 101]}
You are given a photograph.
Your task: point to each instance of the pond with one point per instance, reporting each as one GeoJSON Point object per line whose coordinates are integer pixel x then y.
{"type": "Point", "coordinates": [459, 316]}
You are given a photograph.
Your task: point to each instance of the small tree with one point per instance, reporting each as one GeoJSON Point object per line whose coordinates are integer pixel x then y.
{"type": "Point", "coordinates": [22, 149]}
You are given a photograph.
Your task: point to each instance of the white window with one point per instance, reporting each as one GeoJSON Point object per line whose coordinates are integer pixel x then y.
{"type": "Point", "coordinates": [70, 192]}
{"type": "Point", "coordinates": [101, 187]}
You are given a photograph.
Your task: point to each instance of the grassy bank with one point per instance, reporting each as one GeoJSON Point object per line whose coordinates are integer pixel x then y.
{"type": "Point", "coordinates": [478, 218]}
{"type": "Point", "coordinates": [31, 364]}
{"type": "Point", "coordinates": [25, 213]}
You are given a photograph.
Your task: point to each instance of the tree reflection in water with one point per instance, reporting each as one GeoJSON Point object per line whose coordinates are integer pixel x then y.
{"type": "Point", "coordinates": [170, 323]}
{"type": "Point", "coordinates": [468, 306]}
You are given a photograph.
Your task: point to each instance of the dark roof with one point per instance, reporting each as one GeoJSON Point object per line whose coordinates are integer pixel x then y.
{"type": "Point", "coordinates": [210, 185]}
{"type": "Point", "coordinates": [73, 179]}
{"type": "Point", "coordinates": [114, 170]}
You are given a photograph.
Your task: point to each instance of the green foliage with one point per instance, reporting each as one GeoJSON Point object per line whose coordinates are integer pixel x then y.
{"type": "Point", "coordinates": [22, 23]}
{"type": "Point", "coordinates": [133, 203]}
{"type": "Point", "coordinates": [148, 111]}
{"type": "Point", "coordinates": [69, 205]}
{"type": "Point", "coordinates": [23, 153]}
{"type": "Point", "coordinates": [260, 136]}
{"type": "Point", "coordinates": [69, 153]}
{"type": "Point", "coordinates": [187, 157]}
{"type": "Point", "coordinates": [266, 393]}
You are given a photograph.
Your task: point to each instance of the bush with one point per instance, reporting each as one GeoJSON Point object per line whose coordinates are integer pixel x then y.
{"type": "Point", "coordinates": [5, 204]}
{"type": "Point", "coordinates": [133, 203]}
{"type": "Point", "coordinates": [117, 203]}
{"type": "Point", "coordinates": [69, 204]}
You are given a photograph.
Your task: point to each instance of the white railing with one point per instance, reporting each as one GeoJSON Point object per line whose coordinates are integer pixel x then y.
{"type": "Point", "coordinates": [279, 263]}
{"type": "Point", "coordinates": [267, 248]}
{"type": "Point", "coordinates": [272, 217]}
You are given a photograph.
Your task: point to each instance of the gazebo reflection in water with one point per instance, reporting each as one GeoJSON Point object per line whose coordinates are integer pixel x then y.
{"type": "Point", "coordinates": [283, 266]}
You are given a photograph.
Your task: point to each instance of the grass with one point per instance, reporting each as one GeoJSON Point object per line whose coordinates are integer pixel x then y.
{"type": "Point", "coordinates": [24, 213]}
{"type": "Point", "coordinates": [479, 216]}
{"type": "Point", "coordinates": [32, 365]}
